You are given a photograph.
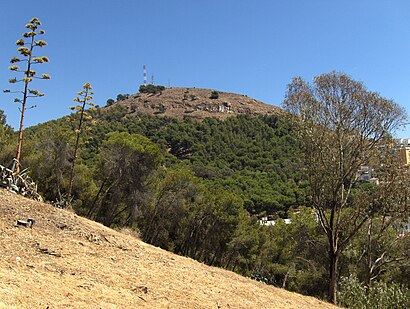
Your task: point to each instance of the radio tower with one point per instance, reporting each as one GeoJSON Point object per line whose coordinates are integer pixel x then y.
{"type": "Point", "coordinates": [145, 75]}
{"type": "Point", "coordinates": [152, 79]}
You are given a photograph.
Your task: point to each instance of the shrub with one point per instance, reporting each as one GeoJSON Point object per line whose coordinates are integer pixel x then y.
{"type": "Point", "coordinates": [214, 95]}
{"type": "Point", "coordinates": [354, 294]}
{"type": "Point", "coordinates": [151, 89]}
{"type": "Point", "coordinates": [121, 97]}
{"type": "Point", "coordinates": [110, 102]}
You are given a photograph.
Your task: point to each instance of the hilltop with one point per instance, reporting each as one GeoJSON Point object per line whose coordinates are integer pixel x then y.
{"type": "Point", "coordinates": [196, 103]}
{"type": "Point", "coordinates": [68, 261]}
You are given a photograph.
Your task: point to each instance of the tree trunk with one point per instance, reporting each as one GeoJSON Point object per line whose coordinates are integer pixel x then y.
{"type": "Point", "coordinates": [333, 265]}
{"type": "Point", "coordinates": [369, 254]}
{"type": "Point", "coordinates": [286, 277]}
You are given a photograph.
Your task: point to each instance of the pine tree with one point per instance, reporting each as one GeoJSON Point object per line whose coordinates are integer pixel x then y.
{"type": "Point", "coordinates": [25, 48]}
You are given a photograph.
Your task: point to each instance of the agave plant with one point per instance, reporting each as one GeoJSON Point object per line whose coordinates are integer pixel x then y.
{"type": "Point", "coordinates": [18, 182]}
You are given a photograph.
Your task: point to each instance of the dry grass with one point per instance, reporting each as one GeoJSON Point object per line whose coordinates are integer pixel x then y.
{"type": "Point", "coordinates": [66, 261]}
{"type": "Point", "coordinates": [196, 103]}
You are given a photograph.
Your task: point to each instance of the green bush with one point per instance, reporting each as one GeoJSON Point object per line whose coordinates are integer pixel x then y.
{"type": "Point", "coordinates": [354, 294]}
{"type": "Point", "coordinates": [214, 95]}
{"type": "Point", "coordinates": [151, 89]}
{"type": "Point", "coordinates": [110, 102]}
{"type": "Point", "coordinates": [122, 97]}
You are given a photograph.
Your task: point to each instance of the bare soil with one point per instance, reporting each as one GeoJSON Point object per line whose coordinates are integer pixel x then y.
{"type": "Point", "coordinates": [66, 261]}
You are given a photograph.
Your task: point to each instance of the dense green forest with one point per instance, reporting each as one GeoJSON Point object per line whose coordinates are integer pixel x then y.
{"type": "Point", "coordinates": [198, 189]}
{"type": "Point", "coordinates": [254, 157]}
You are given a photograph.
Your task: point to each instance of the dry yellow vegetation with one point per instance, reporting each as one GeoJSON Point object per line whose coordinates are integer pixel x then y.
{"type": "Point", "coordinates": [196, 103]}
{"type": "Point", "coordinates": [66, 261]}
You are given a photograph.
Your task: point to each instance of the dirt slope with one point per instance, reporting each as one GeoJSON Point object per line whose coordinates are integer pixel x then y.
{"type": "Point", "coordinates": [66, 261]}
{"type": "Point", "coordinates": [196, 103]}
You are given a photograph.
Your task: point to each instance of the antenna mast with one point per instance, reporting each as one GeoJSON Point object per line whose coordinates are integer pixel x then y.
{"type": "Point", "coordinates": [145, 75]}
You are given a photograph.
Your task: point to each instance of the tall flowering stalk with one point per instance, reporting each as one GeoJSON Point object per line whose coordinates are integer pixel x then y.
{"type": "Point", "coordinates": [83, 99]}
{"type": "Point", "coordinates": [25, 48]}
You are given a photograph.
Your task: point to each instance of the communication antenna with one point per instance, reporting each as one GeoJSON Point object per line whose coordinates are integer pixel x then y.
{"type": "Point", "coordinates": [145, 75]}
{"type": "Point", "coordinates": [152, 79]}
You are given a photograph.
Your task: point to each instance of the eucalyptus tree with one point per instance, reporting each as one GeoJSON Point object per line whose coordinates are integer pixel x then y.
{"type": "Point", "coordinates": [341, 126]}
{"type": "Point", "coordinates": [26, 46]}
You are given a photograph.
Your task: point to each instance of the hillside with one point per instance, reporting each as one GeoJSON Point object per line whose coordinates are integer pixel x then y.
{"type": "Point", "coordinates": [71, 262]}
{"type": "Point", "coordinates": [254, 156]}
{"type": "Point", "coordinates": [196, 103]}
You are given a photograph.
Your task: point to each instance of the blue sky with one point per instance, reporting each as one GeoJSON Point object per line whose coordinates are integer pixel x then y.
{"type": "Point", "coordinates": [246, 47]}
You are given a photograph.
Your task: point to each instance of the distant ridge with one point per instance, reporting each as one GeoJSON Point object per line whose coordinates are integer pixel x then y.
{"type": "Point", "coordinates": [196, 103]}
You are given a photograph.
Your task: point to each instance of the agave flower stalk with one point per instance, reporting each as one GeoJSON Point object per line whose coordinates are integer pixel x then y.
{"type": "Point", "coordinates": [25, 49]}
{"type": "Point", "coordinates": [83, 99]}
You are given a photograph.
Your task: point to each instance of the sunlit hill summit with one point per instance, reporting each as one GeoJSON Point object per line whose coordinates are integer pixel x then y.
{"type": "Point", "coordinates": [195, 103]}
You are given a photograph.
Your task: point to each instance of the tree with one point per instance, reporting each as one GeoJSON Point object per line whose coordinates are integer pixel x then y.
{"type": "Point", "coordinates": [125, 164]}
{"type": "Point", "coordinates": [292, 256]}
{"type": "Point", "coordinates": [26, 46]}
{"type": "Point", "coordinates": [151, 89]}
{"type": "Point", "coordinates": [49, 157]}
{"type": "Point", "coordinates": [5, 130]}
{"type": "Point", "coordinates": [110, 102]}
{"type": "Point", "coordinates": [341, 126]}
{"type": "Point", "coordinates": [3, 122]}
{"type": "Point", "coordinates": [380, 247]}
{"type": "Point", "coordinates": [170, 210]}
{"type": "Point", "coordinates": [244, 248]}
{"type": "Point", "coordinates": [83, 99]}
{"type": "Point", "coordinates": [122, 97]}
{"type": "Point", "coordinates": [6, 140]}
